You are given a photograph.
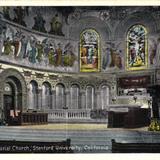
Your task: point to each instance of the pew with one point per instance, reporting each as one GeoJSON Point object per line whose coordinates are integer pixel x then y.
{"type": "Point", "coordinates": [118, 147]}
{"type": "Point", "coordinates": [34, 118]}
{"type": "Point", "coordinates": [27, 118]}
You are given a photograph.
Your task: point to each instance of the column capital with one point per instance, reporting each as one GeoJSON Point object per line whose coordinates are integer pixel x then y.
{"type": "Point", "coordinates": [97, 92]}
{"type": "Point", "coordinates": [67, 92]}
{"type": "Point", "coordinates": [82, 92]}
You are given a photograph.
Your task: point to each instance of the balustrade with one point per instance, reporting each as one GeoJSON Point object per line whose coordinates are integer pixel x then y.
{"type": "Point", "coordinates": [68, 114]}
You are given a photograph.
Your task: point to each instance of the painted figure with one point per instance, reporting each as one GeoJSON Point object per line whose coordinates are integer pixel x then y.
{"type": "Point", "coordinates": [39, 23]}
{"type": "Point", "coordinates": [68, 55]}
{"type": "Point", "coordinates": [58, 55]}
{"type": "Point", "coordinates": [106, 58]}
{"type": "Point", "coordinates": [56, 26]}
{"type": "Point", "coordinates": [51, 56]}
{"type": "Point", "coordinates": [7, 47]}
{"type": "Point", "coordinates": [40, 51]}
{"type": "Point", "coordinates": [32, 53]}
{"type": "Point", "coordinates": [6, 10]}
{"type": "Point", "coordinates": [19, 15]}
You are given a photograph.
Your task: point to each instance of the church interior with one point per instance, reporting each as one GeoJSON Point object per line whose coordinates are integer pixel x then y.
{"type": "Point", "coordinates": [81, 70]}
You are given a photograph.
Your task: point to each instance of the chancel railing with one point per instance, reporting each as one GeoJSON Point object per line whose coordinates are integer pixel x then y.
{"type": "Point", "coordinates": [68, 114]}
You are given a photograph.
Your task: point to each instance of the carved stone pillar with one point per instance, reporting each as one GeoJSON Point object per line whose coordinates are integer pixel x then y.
{"type": "Point", "coordinates": [53, 99]}
{"type": "Point", "coordinates": [24, 101]}
{"type": "Point", "coordinates": [82, 102]}
{"type": "Point", "coordinates": [67, 99]}
{"type": "Point", "coordinates": [98, 100]}
{"type": "Point", "coordinates": [38, 98]}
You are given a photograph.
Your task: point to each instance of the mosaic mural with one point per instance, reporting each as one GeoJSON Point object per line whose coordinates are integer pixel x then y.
{"type": "Point", "coordinates": [112, 56]}
{"type": "Point", "coordinates": [27, 48]}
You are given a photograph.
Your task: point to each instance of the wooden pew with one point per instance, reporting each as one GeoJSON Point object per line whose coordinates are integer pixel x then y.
{"type": "Point", "coordinates": [27, 118]}
{"type": "Point", "coordinates": [118, 147]}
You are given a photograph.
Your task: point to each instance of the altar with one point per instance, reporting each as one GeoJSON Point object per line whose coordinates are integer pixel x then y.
{"type": "Point", "coordinates": [128, 116]}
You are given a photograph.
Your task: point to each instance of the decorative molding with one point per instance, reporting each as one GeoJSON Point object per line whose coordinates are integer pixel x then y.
{"type": "Point", "coordinates": [39, 75]}
{"type": "Point", "coordinates": [27, 73]}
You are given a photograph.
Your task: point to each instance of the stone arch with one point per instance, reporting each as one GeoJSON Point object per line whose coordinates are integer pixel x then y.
{"type": "Point", "coordinates": [60, 83]}
{"type": "Point", "coordinates": [15, 78]}
{"type": "Point", "coordinates": [90, 84]}
{"type": "Point", "coordinates": [47, 83]}
{"type": "Point", "coordinates": [105, 84]}
{"type": "Point", "coordinates": [76, 83]}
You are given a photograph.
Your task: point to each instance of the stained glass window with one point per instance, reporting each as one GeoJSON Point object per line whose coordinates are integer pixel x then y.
{"type": "Point", "coordinates": [89, 51]}
{"type": "Point", "coordinates": [137, 56]}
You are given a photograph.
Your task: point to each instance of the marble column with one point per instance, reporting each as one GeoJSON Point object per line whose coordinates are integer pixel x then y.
{"type": "Point", "coordinates": [53, 99]}
{"type": "Point", "coordinates": [24, 101]}
{"type": "Point", "coordinates": [98, 100]}
{"type": "Point", "coordinates": [38, 100]}
{"type": "Point", "coordinates": [67, 102]}
{"type": "Point", "coordinates": [82, 100]}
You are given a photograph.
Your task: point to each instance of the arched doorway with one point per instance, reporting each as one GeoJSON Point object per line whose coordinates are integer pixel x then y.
{"type": "Point", "coordinates": [13, 93]}
{"type": "Point", "coordinates": [9, 101]}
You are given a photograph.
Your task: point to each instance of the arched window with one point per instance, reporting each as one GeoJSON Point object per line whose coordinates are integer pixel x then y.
{"type": "Point", "coordinates": [89, 51]}
{"type": "Point", "coordinates": [137, 56]}
{"type": "Point", "coordinates": [104, 96]}
{"type": "Point", "coordinates": [89, 97]}
{"type": "Point", "coordinates": [33, 95]}
{"type": "Point", "coordinates": [60, 96]}
{"type": "Point", "coordinates": [46, 96]}
{"type": "Point", "coordinates": [75, 96]}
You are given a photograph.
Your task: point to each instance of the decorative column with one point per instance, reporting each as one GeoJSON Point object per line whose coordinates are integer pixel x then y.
{"type": "Point", "coordinates": [82, 102]}
{"type": "Point", "coordinates": [67, 99]}
{"type": "Point", "coordinates": [98, 100]}
{"type": "Point", "coordinates": [29, 99]}
{"type": "Point", "coordinates": [24, 101]}
{"type": "Point", "coordinates": [53, 99]}
{"type": "Point", "coordinates": [39, 100]}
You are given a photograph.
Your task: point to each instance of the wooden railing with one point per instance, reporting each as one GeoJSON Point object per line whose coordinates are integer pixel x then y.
{"type": "Point", "coordinates": [34, 118]}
